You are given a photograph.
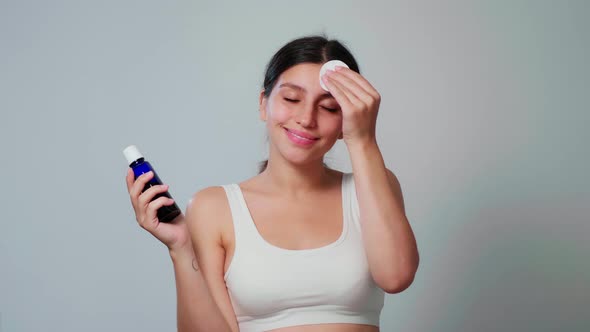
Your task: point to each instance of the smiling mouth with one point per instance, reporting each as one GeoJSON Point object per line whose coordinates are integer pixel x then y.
{"type": "Point", "coordinates": [298, 139]}
{"type": "Point", "coordinates": [300, 136]}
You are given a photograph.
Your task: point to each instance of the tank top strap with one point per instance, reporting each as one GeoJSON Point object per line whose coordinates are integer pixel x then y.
{"type": "Point", "coordinates": [243, 229]}
{"type": "Point", "coordinates": [351, 200]}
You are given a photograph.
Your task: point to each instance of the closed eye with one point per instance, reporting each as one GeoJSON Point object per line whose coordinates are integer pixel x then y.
{"type": "Point", "coordinates": [331, 110]}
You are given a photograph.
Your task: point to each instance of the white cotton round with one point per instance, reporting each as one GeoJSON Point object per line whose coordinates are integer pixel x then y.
{"type": "Point", "coordinates": [330, 65]}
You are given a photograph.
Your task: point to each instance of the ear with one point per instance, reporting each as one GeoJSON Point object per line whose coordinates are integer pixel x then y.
{"type": "Point", "coordinates": [262, 100]}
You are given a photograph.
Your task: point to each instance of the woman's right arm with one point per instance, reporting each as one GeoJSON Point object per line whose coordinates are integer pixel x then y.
{"type": "Point", "coordinates": [195, 308]}
{"type": "Point", "coordinates": [198, 308]}
{"type": "Point", "coordinates": [204, 216]}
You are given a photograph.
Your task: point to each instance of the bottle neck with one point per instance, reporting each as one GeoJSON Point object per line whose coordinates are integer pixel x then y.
{"type": "Point", "coordinates": [137, 162]}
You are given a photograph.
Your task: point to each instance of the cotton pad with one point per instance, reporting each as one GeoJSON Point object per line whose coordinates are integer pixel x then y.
{"type": "Point", "coordinates": [330, 65]}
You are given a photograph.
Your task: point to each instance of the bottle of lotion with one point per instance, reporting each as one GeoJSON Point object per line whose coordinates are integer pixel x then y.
{"type": "Point", "coordinates": [140, 166]}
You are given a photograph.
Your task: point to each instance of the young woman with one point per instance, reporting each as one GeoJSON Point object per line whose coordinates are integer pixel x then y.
{"type": "Point", "coordinates": [300, 246]}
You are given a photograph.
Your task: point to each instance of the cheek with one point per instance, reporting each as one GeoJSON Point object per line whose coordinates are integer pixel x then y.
{"type": "Point", "coordinates": [278, 114]}
{"type": "Point", "coordinates": [332, 124]}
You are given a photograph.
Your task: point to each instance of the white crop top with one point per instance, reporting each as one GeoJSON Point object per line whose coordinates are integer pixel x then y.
{"type": "Point", "coordinates": [272, 287]}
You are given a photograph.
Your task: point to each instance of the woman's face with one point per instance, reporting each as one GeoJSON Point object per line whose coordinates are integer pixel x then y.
{"type": "Point", "coordinates": [303, 120]}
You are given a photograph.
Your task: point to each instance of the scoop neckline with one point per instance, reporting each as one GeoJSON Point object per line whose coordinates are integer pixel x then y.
{"type": "Point", "coordinates": [328, 246]}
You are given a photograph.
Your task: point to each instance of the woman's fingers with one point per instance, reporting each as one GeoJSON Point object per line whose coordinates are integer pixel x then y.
{"type": "Point", "coordinates": [141, 200]}
{"type": "Point", "coordinates": [146, 205]}
{"type": "Point", "coordinates": [130, 178]}
{"type": "Point", "coordinates": [360, 80]}
{"type": "Point", "coordinates": [337, 92]}
{"type": "Point", "coordinates": [150, 221]}
{"type": "Point", "coordinates": [149, 194]}
{"type": "Point", "coordinates": [351, 86]}
{"type": "Point", "coordinates": [139, 184]}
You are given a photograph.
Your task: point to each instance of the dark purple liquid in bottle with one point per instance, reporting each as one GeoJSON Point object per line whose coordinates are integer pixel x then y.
{"type": "Point", "coordinates": [165, 213]}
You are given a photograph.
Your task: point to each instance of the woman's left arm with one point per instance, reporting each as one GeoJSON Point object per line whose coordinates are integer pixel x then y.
{"type": "Point", "coordinates": [391, 247]}
{"type": "Point", "coordinates": [390, 244]}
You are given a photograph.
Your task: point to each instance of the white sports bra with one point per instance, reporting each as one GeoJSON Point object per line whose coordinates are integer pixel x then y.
{"type": "Point", "coordinates": [272, 287]}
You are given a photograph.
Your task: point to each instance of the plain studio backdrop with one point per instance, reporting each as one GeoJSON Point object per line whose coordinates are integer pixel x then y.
{"type": "Point", "coordinates": [483, 120]}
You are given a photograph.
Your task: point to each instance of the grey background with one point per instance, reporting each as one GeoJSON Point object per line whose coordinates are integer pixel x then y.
{"type": "Point", "coordinates": [483, 120]}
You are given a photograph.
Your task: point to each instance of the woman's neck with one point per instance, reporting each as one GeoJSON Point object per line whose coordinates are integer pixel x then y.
{"type": "Point", "coordinates": [296, 180]}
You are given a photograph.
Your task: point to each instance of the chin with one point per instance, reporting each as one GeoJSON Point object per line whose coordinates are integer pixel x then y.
{"type": "Point", "coordinates": [303, 158]}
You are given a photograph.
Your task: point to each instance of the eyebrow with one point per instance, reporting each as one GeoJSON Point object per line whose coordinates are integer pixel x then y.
{"type": "Point", "coordinates": [300, 88]}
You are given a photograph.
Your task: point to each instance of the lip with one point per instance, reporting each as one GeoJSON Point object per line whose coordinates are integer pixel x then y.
{"type": "Point", "coordinates": [302, 134]}
{"type": "Point", "coordinates": [294, 137]}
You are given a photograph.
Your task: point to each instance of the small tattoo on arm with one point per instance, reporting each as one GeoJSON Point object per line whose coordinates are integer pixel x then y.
{"type": "Point", "coordinates": [195, 265]}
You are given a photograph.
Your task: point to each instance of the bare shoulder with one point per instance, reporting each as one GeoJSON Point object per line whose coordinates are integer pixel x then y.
{"type": "Point", "coordinates": [208, 198]}
{"type": "Point", "coordinates": [208, 212]}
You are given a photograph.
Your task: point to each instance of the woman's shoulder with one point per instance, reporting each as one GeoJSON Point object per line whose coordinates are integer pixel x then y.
{"type": "Point", "coordinates": [207, 207]}
{"type": "Point", "coordinates": [215, 196]}
{"type": "Point", "coordinates": [207, 196]}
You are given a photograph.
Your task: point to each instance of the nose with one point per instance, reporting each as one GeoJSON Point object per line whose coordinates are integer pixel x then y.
{"type": "Point", "coordinates": [306, 116]}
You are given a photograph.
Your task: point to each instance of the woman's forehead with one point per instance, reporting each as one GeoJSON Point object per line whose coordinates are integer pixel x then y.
{"type": "Point", "coordinates": [302, 77]}
{"type": "Point", "coordinates": [303, 69]}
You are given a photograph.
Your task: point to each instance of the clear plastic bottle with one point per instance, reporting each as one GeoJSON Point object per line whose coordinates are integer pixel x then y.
{"type": "Point", "coordinates": [140, 166]}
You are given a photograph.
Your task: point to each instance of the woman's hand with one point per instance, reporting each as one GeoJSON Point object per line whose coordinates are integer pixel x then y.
{"type": "Point", "coordinates": [175, 234]}
{"type": "Point", "coordinates": [359, 103]}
